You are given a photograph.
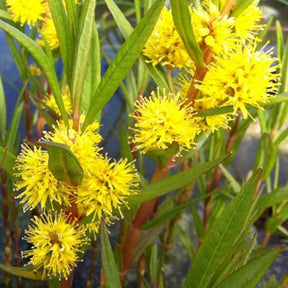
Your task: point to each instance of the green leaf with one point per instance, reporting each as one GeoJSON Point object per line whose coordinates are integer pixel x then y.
{"type": "Point", "coordinates": [42, 60]}
{"type": "Point", "coordinates": [108, 261]}
{"type": "Point", "coordinates": [63, 164]}
{"type": "Point", "coordinates": [5, 15]}
{"type": "Point", "coordinates": [182, 19]}
{"type": "Point", "coordinates": [249, 275]}
{"type": "Point", "coordinates": [219, 244]}
{"type": "Point", "coordinates": [124, 142]}
{"type": "Point", "coordinates": [234, 184]}
{"type": "Point", "coordinates": [284, 71]}
{"type": "Point", "coordinates": [280, 40]}
{"type": "Point", "coordinates": [65, 42]}
{"type": "Point", "coordinates": [7, 160]}
{"type": "Point", "coordinates": [173, 182]}
{"type": "Point", "coordinates": [14, 125]}
{"type": "Point", "coordinates": [240, 7]}
{"type": "Point", "coordinates": [215, 111]}
{"type": "Point", "coordinates": [55, 283]}
{"type": "Point", "coordinates": [123, 61]}
{"type": "Point", "coordinates": [25, 272]}
{"type": "Point", "coordinates": [2, 111]}
{"type": "Point", "coordinates": [82, 51]}
{"type": "Point", "coordinates": [266, 155]}
{"type": "Point", "coordinates": [274, 222]}
{"type": "Point", "coordinates": [126, 29]}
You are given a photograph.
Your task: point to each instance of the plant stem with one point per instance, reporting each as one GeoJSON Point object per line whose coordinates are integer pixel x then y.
{"type": "Point", "coordinates": [67, 283]}
{"type": "Point", "coordinates": [134, 234]}
{"type": "Point", "coordinates": [28, 117]}
{"type": "Point", "coordinates": [265, 239]}
{"type": "Point", "coordinates": [229, 5]}
{"type": "Point", "coordinates": [92, 265]}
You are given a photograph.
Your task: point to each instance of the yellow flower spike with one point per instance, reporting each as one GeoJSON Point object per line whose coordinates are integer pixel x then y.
{"type": "Point", "coordinates": [105, 189]}
{"type": "Point", "coordinates": [165, 46]}
{"type": "Point", "coordinates": [48, 32]}
{"type": "Point", "coordinates": [211, 29]}
{"type": "Point", "coordinates": [208, 123]}
{"type": "Point", "coordinates": [161, 121]}
{"type": "Point", "coordinates": [38, 184]}
{"type": "Point", "coordinates": [243, 76]}
{"type": "Point", "coordinates": [82, 143]}
{"type": "Point", "coordinates": [56, 242]}
{"type": "Point", "coordinates": [247, 24]}
{"type": "Point", "coordinates": [25, 11]}
{"type": "Point", "coordinates": [50, 102]}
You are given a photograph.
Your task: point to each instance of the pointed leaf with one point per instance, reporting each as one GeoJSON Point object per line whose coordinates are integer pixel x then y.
{"type": "Point", "coordinates": [7, 160]}
{"type": "Point", "coordinates": [108, 261]}
{"type": "Point", "coordinates": [241, 6]}
{"type": "Point", "coordinates": [123, 61]}
{"type": "Point", "coordinates": [217, 248]}
{"type": "Point", "coordinates": [249, 275]}
{"type": "Point", "coordinates": [42, 60]}
{"type": "Point", "coordinates": [2, 111]}
{"type": "Point", "coordinates": [82, 50]}
{"type": "Point", "coordinates": [25, 272]}
{"type": "Point", "coordinates": [182, 19]}
{"type": "Point", "coordinates": [63, 164]}
{"type": "Point", "coordinates": [173, 182]}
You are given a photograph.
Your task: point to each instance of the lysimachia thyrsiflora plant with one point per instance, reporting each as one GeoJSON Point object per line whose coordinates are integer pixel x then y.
{"type": "Point", "coordinates": [213, 74]}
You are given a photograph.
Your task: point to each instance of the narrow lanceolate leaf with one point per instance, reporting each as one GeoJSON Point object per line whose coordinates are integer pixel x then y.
{"type": "Point", "coordinates": [25, 272]}
{"type": "Point", "coordinates": [173, 182]}
{"type": "Point", "coordinates": [7, 160]}
{"type": "Point", "coordinates": [182, 19]}
{"type": "Point", "coordinates": [126, 29]}
{"type": "Point", "coordinates": [65, 42]}
{"type": "Point", "coordinates": [108, 261]}
{"type": "Point", "coordinates": [5, 15]}
{"type": "Point", "coordinates": [219, 244]}
{"type": "Point", "coordinates": [2, 111]}
{"type": "Point", "coordinates": [63, 164]}
{"type": "Point", "coordinates": [82, 50]}
{"type": "Point", "coordinates": [14, 126]}
{"type": "Point", "coordinates": [215, 111]}
{"type": "Point", "coordinates": [280, 40]}
{"type": "Point", "coordinates": [240, 7]}
{"type": "Point", "coordinates": [123, 61]}
{"type": "Point", "coordinates": [249, 275]}
{"type": "Point", "coordinates": [42, 60]}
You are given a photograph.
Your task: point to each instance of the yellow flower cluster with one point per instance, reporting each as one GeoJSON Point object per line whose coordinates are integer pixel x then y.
{"type": "Point", "coordinates": [165, 45]}
{"type": "Point", "coordinates": [36, 13]}
{"type": "Point", "coordinates": [162, 120]}
{"type": "Point", "coordinates": [243, 76]}
{"type": "Point", "coordinates": [56, 242]}
{"type": "Point", "coordinates": [50, 102]}
{"type": "Point", "coordinates": [105, 187]}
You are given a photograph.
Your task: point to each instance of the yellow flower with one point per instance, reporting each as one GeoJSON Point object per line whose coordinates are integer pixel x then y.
{"type": "Point", "coordinates": [211, 29]}
{"type": "Point", "coordinates": [38, 183]}
{"type": "Point", "coordinates": [210, 123]}
{"type": "Point", "coordinates": [48, 32]}
{"type": "Point", "coordinates": [56, 241]}
{"type": "Point", "coordinates": [106, 187]}
{"type": "Point", "coordinates": [247, 24]}
{"type": "Point", "coordinates": [49, 101]}
{"type": "Point", "coordinates": [165, 45]}
{"type": "Point", "coordinates": [25, 11]}
{"type": "Point", "coordinates": [243, 76]}
{"type": "Point", "coordinates": [35, 71]}
{"type": "Point", "coordinates": [163, 120]}
{"type": "Point", "coordinates": [82, 143]}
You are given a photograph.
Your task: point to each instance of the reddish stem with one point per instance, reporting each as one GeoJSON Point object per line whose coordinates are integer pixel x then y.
{"type": "Point", "coordinates": [67, 283]}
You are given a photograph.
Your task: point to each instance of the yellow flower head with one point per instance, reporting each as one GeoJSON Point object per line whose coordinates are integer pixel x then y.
{"type": "Point", "coordinates": [50, 102]}
{"type": "Point", "coordinates": [211, 29]}
{"type": "Point", "coordinates": [35, 71]}
{"type": "Point", "coordinates": [165, 45]}
{"type": "Point", "coordinates": [48, 32]}
{"type": "Point", "coordinates": [210, 123]}
{"type": "Point", "coordinates": [247, 24]}
{"type": "Point", "coordinates": [163, 120]}
{"type": "Point", "coordinates": [106, 187]}
{"type": "Point", "coordinates": [56, 243]}
{"type": "Point", "coordinates": [84, 144]}
{"type": "Point", "coordinates": [38, 183]}
{"type": "Point", "coordinates": [243, 76]}
{"type": "Point", "coordinates": [25, 11]}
